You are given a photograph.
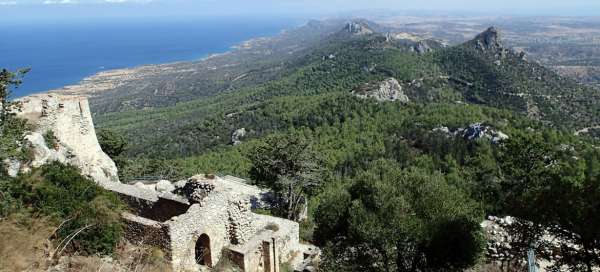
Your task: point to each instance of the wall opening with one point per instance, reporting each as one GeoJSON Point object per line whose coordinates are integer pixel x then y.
{"type": "Point", "coordinates": [203, 256]}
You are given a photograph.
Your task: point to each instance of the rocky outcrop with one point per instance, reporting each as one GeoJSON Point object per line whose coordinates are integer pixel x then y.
{"type": "Point", "coordinates": [489, 40]}
{"type": "Point", "coordinates": [68, 121]}
{"type": "Point", "coordinates": [474, 132]}
{"type": "Point", "coordinates": [422, 47]}
{"type": "Point", "coordinates": [237, 135]}
{"type": "Point", "coordinates": [358, 28]}
{"type": "Point", "coordinates": [387, 90]}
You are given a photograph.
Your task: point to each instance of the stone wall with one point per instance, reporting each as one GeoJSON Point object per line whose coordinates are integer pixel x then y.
{"type": "Point", "coordinates": [220, 218]}
{"type": "Point", "coordinates": [240, 227]}
{"type": "Point", "coordinates": [210, 218]}
{"type": "Point", "coordinates": [139, 230]}
{"type": "Point", "coordinates": [257, 254]}
{"type": "Point", "coordinates": [164, 209]}
{"type": "Point", "coordinates": [287, 236]}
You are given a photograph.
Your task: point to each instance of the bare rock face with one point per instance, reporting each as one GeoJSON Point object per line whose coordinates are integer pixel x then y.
{"type": "Point", "coordinates": [387, 90]}
{"type": "Point", "coordinates": [69, 119]}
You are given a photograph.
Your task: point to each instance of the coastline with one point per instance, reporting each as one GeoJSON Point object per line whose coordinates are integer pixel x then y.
{"type": "Point", "coordinates": [111, 79]}
{"type": "Point", "coordinates": [77, 54]}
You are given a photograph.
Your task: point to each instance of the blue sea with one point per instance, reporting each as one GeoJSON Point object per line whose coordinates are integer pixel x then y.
{"type": "Point", "coordinates": [64, 53]}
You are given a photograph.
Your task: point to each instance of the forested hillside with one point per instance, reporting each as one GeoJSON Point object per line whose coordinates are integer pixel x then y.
{"type": "Point", "coordinates": [484, 132]}
{"type": "Point", "coordinates": [489, 75]}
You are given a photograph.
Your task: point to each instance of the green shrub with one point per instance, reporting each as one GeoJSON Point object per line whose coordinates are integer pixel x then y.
{"type": "Point", "coordinates": [73, 201]}
{"type": "Point", "coordinates": [112, 143]}
{"type": "Point", "coordinates": [11, 135]}
{"type": "Point", "coordinates": [50, 139]}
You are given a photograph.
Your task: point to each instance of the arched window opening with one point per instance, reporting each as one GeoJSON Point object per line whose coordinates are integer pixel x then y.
{"type": "Point", "coordinates": [203, 251]}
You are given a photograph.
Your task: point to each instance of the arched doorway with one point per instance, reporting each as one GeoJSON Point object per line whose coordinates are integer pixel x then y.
{"type": "Point", "coordinates": [203, 251]}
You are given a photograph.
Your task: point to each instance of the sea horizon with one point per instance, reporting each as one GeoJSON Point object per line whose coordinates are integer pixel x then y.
{"type": "Point", "coordinates": [72, 53]}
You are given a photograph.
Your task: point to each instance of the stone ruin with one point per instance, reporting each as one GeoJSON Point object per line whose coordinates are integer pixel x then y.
{"type": "Point", "coordinates": [197, 222]}
{"type": "Point", "coordinates": [70, 121]}
{"type": "Point", "coordinates": [207, 218]}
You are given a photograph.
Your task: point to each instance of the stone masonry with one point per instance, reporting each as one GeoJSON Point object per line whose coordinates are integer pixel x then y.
{"type": "Point", "coordinates": [197, 222]}
{"type": "Point", "coordinates": [211, 219]}
{"type": "Point", "coordinates": [70, 120]}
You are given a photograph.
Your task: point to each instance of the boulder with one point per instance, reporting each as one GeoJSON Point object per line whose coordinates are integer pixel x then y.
{"type": "Point", "coordinates": [143, 186]}
{"type": "Point", "coordinates": [196, 188]}
{"type": "Point", "coordinates": [474, 132]}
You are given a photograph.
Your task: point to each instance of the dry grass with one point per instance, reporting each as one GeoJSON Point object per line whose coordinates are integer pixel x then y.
{"type": "Point", "coordinates": [128, 258]}
{"type": "Point", "coordinates": [24, 244]}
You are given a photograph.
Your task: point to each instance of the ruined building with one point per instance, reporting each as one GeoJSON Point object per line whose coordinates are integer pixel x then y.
{"type": "Point", "coordinates": [197, 222]}
{"type": "Point", "coordinates": [207, 218]}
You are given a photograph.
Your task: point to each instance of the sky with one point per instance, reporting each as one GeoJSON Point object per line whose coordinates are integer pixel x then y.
{"type": "Point", "coordinates": [33, 10]}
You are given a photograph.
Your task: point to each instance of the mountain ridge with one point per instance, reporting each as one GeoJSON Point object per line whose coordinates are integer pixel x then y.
{"type": "Point", "coordinates": [335, 66]}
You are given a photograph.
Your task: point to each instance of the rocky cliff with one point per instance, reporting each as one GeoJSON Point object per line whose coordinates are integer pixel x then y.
{"type": "Point", "coordinates": [63, 131]}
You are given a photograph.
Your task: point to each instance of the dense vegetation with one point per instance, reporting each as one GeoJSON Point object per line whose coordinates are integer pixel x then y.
{"type": "Point", "coordinates": [194, 127]}
{"type": "Point", "coordinates": [88, 216]}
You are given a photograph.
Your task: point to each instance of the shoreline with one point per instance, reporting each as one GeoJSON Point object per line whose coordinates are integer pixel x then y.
{"type": "Point", "coordinates": [109, 79]}
{"type": "Point", "coordinates": [113, 78]}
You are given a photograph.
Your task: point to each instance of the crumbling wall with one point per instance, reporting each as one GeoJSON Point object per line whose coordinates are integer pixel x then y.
{"type": "Point", "coordinates": [210, 218]}
{"type": "Point", "coordinates": [287, 236]}
{"type": "Point", "coordinates": [69, 118]}
{"type": "Point", "coordinates": [257, 254]}
{"type": "Point", "coordinates": [221, 215]}
{"type": "Point", "coordinates": [240, 225]}
{"type": "Point", "coordinates": [142, 231]}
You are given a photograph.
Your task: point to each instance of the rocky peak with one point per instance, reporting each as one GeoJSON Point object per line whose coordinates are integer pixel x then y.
{"type": "Point", "coordinates": [358, 28]}
{"type": "Point", "coordinates": [489, 39]}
